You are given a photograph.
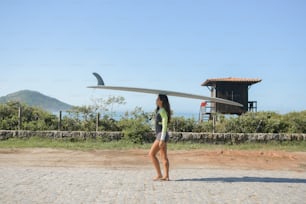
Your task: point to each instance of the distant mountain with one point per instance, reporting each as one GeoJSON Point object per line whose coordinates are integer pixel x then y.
{"type": "Point", "coordinates": [36, 99]}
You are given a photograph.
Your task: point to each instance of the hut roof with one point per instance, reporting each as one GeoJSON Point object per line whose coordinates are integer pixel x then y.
{"type": "Point", "coordinates": [249, 81]}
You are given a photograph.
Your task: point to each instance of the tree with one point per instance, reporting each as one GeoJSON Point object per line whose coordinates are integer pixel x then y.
{"type": "Point", "coordinates": [106, 106]}
{"type": "Point", "coordinates": [83, 118]}
{"type": "Point", "coordinates": [32, 118]}
{"type": "Point", "coordinates": [9, 115]}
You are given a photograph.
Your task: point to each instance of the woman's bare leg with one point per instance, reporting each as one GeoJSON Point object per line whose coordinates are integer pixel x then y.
{"type": "Point", "coordinates": [164, 157]}
{"type": "Point", "coordinates": [153, 151]}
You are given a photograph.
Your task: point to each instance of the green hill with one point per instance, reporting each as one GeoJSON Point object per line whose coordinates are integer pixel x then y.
{"type": "Point", "coordinates": [36, 99]}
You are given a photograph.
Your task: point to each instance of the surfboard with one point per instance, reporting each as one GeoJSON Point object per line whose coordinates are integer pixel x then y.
{"type": "Point", "coordinates": [101, 85]}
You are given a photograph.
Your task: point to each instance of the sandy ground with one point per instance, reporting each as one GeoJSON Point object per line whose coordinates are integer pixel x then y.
{"type": "Point", "coordinates": [230, 159]}
{"type": "Point", "coordinates": [107, 176]}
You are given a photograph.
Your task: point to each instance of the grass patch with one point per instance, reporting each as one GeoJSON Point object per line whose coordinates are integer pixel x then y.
{"type": "Point", "coordinates": [91, 144]}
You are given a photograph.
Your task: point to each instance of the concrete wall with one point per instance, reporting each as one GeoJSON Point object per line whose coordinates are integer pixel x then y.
{"type": "Point", "coordinates": [215, 138]}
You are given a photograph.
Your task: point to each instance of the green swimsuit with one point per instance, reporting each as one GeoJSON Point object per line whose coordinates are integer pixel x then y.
{"type": "Point", "coordinates": [161, 124]}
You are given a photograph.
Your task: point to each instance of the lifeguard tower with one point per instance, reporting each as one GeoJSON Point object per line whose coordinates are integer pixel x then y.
{"type": "Point", "coordinates": [235, 89]}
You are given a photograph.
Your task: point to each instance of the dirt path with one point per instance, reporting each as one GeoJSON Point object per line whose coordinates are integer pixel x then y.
{"type": "Point", "coordinates": [231, 159]}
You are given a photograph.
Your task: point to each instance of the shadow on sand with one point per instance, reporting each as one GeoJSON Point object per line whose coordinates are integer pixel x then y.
{"type": "Point", "coordinates": [246, 179]}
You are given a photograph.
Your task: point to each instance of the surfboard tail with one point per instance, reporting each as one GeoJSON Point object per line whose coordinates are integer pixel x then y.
{"type": "Point", "coordinates": [99, 79]}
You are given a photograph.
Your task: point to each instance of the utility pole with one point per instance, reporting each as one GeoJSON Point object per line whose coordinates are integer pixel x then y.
{"type": "Point", "coordinates": [19, 117]}
{"type": "Point", "coordinates": [60, 121]}
{"type": "Point", "coordinates": [97, 122]}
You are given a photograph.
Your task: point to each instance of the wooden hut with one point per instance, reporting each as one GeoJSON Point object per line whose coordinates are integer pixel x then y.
{"type": "Point", "coordinates": [235, 89]}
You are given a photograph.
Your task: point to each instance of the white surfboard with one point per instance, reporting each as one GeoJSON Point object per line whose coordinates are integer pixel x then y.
{"type": "Point", "coordinates": [158, 91]}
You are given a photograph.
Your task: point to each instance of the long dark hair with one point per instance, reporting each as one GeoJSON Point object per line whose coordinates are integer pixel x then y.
{"type": "Point", "coordinates": [166, 105]}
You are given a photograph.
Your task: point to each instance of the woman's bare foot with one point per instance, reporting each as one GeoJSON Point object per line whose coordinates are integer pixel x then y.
{"type": "Point", "coordinates": [157, 178]}
{"type": "Point", "coordinates": [165, 179]}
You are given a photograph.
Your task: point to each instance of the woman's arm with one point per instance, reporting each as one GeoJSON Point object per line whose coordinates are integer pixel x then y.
{"type": "Point", "coordinates": [164, 117]}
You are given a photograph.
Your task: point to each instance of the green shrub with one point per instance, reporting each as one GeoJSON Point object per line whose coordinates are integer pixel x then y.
{"type": "Point", "coordinates": [135, 126]}
{"type": "Point", "coordinates": [206, 126]}
{"type": "Point", "coordinates": [181, 124]}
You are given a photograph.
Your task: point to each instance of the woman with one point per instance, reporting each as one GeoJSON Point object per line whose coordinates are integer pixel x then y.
{"type": "Point", "coordinates": [163, 115]}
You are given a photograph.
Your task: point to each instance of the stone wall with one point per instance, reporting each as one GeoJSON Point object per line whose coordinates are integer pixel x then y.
{"type": "Point", "coordinates": [235, 138]}
{"type": "Point", "coordinates": [214, 138]}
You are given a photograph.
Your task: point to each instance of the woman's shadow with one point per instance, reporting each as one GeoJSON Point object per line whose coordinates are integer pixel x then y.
{"type": "Point", "coordinates": [246, 179]}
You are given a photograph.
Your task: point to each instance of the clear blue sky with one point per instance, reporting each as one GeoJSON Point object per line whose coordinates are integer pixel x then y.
{"type": "Point", "coordinates": [53, 46]}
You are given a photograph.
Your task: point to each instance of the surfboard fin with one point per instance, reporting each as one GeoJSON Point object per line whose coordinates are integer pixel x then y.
{"type": "Point", "coordinates": [99, 79]}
